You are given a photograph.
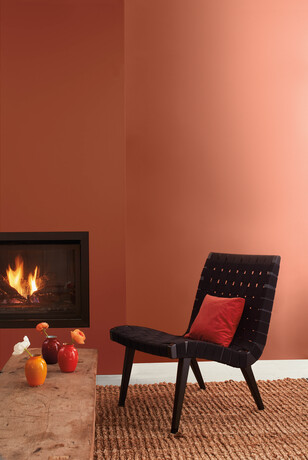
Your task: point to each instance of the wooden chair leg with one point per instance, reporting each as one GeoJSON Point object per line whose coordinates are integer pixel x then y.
{"type": "Point", "coordinates": [127, 367]}
{"type": "Point", "coordinates": [196, 370]}
{"type": "Point", "coordinates": [253, 387]}
{"type": "Point", "coordinates": [181, 379]}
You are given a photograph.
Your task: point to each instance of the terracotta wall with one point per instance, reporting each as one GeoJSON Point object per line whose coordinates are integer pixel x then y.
{"type": "Point", "coordinates": [62, 143]}
{"type": "Point", "coordinates": [217, 109]}
{"type": "Point", "coordinates": [213, 156]}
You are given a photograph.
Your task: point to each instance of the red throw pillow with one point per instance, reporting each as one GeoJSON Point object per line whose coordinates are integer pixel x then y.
{"type": "Point", "coordinates": [217, 319]}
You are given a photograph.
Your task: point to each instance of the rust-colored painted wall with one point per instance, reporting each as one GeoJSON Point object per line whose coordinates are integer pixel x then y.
{"type": "Point", "coordinates": [216, 153]}
{"type": "Point", "coordinates": [63, 146]}
{"type": "Point", "coordinates": [214, 156]}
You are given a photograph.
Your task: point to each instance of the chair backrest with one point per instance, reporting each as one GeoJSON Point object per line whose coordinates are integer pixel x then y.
{"type": "Point", "coordinates": [252, 277]}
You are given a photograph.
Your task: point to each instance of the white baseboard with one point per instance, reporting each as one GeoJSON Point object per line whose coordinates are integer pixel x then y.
{"type": "Point", "coordinates": [147, 373]}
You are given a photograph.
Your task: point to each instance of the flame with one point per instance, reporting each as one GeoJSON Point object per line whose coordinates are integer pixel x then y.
{"type": "Point", "coordinates": [17, 281]}
{"type": "Point", "coordinates": [32, 281]}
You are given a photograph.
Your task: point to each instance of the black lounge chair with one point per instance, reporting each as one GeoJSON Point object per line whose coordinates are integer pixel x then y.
{"type": "Point", "coordinates": [252, 277]}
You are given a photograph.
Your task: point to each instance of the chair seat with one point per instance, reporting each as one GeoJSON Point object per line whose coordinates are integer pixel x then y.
{"type": "Point", "coordinates": [150, 341]}
{"type": "Point", "coordinates": [161, 343]}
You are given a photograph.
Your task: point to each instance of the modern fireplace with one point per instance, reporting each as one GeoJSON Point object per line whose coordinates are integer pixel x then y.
{"type": "Point", "coordinates": [44, 276]}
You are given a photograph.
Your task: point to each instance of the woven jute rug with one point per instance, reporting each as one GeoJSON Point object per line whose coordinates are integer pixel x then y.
{"type": "Point", "coordinates": [221, 422]}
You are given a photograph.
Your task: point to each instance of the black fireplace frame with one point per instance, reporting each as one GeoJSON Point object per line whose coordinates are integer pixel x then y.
{"type": "Point", "coordinates": [81, 318]}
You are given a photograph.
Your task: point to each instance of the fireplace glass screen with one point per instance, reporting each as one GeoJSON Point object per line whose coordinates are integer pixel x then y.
{"type": "Point", "coordinates": [44, 277]}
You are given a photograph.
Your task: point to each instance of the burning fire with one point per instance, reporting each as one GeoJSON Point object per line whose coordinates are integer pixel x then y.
{"type": "Point", "coordinates": [17, 281]}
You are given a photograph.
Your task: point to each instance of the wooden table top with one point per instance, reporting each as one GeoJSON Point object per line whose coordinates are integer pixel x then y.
{"type": "Point", "coordinates": [53, 421]}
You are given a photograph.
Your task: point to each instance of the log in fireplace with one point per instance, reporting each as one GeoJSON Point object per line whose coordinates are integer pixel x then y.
{"type": "Point", "coordinates": [44, 276]}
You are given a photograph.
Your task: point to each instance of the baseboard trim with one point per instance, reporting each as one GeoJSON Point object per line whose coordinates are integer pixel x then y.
{"type": "Point", "coordinates": [147, 373]}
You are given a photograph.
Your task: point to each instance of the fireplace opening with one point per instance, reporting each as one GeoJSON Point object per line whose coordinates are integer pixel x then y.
{"type": "Point", "coordinates": [44, 276]}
